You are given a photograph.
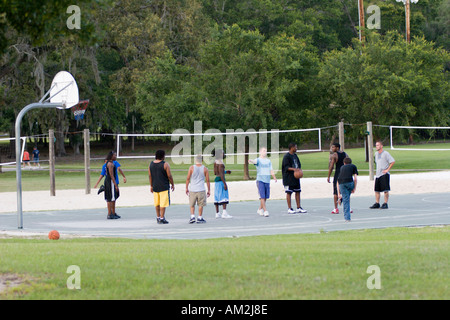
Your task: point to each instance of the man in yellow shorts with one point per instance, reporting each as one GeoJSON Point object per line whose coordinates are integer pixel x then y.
{"type": "Point", "coordinates": [160, 176]}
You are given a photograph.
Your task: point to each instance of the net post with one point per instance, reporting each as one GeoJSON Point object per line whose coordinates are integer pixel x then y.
{"type": "Point", "coordinates": [392, 139]}
{"type": "Point", "coordinates": [118, 144]}
{"type": "Point", "coordinates": [87, 163]}
{"type": "Point", "coordinates": [320, 139]}
{"type": "Point", "coordinates": [51, 160]}
{"type": "Point", "coordinates": [370, 149]}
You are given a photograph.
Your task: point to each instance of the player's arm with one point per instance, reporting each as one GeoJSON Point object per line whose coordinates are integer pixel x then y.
{"type": "Point", "coordinates": [98, 181]}
{"type": "Point", "coordinates": [272, 173]}
{"type": "Point", "coordinates": [188, 179]}
{"type": "Point", "coordinates": [389, 168]}
{"type": "Point", "coordinates": [339, 191]}
{"type": "Point", "coordinates": [331, 166]}
{"type": "Point", "coordinates": [123, 175]}
{"type": "Point", "coordinates": [169, 175]}
{"type": "Point", "coordinates": [150, 179]}
{"type": "Point", "coordinates": [355, 181]}
{"type": "Point", "coordinates": [221, 169]}
{"type": "Point", "coordinates": [207, 182]}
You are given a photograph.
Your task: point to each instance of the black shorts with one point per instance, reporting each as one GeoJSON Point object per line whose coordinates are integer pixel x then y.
{"type": "Point", "coordinates": [293, 187]}
{"type": "Point", "coordinates": [111, 194]}
{"type": "Point", "coordinates": [382, 183]}
{"type": "Point", "coordinates": [335, 191]}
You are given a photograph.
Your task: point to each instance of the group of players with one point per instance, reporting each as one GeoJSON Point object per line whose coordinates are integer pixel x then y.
{"type": "Point", "coordinates": [198, 182]}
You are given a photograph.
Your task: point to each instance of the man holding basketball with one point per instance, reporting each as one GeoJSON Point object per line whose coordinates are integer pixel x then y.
{"type": "Point", "coordinates": [292, 172]}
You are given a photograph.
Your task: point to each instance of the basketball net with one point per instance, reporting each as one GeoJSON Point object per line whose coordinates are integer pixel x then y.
{"type": "Point", "coordinates": [79, 109]}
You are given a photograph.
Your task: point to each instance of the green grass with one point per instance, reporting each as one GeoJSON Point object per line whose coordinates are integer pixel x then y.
{"type": "Point", "coordinates": [70, 170]}
{"type": "Point", "coordinates": [413, 264]}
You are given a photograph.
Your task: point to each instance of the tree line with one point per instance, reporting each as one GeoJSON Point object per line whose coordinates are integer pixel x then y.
{"type": "Point", "coordinates": [152, 66]}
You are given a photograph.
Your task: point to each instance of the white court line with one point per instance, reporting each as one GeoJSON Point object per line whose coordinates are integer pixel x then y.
{"type": "Point", "coordinates": [239, 229]}
{"type": "Point", "coordinates": [434, 201]}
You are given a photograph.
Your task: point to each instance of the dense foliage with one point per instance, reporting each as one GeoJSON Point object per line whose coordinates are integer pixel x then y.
{"type": "Point", "coordinates": [157, 65]}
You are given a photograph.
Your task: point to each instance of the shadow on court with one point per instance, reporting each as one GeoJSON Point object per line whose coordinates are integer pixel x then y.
{"type": "Point", "coordinates": [140, 222]}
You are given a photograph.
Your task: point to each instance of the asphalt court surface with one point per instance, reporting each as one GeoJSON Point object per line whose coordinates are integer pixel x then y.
{"type": "Point", "coordinates": [140, 222]}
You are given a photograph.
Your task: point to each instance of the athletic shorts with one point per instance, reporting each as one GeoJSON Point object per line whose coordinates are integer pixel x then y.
{"type": "Point", "coordinates": [111, 194]}
{"type": "Point", "coordinates": [293, 188]}
{"type": "Point", "coordinates": [220, 194]}
{"type": "Point", "coordinates": [198, 198]}
{"type": "Point", "coordinates": [335, 190]}
{"type": "Point", "coordinates": [161, 199]}
{"type": "Point", "coordinates": [382, 184]}
{"type": "Point", "coordinates": [263, 189]}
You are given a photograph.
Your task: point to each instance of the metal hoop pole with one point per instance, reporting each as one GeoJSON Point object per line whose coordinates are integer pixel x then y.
{"type": "Point", "coordinates": [18, 155]}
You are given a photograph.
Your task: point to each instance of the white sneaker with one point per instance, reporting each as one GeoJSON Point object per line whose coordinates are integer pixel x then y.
{"type": "Point", "coordinates": [225, 215]}
{"type": "Point", "coordinates": [291, 211]}
{"type": "Point", "coordinates": [218, 215]}
{"type": "Point", "coordinates": [301, 210]}
{"type": "Point", "coordinates": [260, 212]}
{"type": "Point", "coordinates": [266, 213]}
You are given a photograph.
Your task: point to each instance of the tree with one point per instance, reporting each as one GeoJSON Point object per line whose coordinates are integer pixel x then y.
{"type": "Point", "coordinates": [388, 82]}
{"type": "Point", "coordinates": [241, 80]}
{"type": "Point", "coordinates": [42, 20]}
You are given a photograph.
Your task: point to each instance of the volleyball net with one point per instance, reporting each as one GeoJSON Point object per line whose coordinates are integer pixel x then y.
{"type": "Point", "coordinates": [417, 138]}
{"type": "Point", "coordinates": [182, 145]}
{"type": "Point", "coordinates": [239, 145]}
{"type": "Point", "coordinates": [7, 151]}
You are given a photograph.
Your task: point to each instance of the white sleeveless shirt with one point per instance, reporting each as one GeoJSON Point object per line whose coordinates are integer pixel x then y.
{"type": "Point", "coordinates": [197, 183]}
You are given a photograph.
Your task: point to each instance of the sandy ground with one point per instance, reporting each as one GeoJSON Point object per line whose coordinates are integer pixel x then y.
{"type": "Point", "coordinates": [419, 183]}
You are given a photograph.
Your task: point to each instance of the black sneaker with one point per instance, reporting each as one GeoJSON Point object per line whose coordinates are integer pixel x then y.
{"type": "Point", "coordinates": [201, 220]}
{"type": "Point", "coordinates": [163, 221]}
{"type": "Point", "coordinates": [384, 206]}
{"type": "Point", "coordinates": [192, 220]}
{"type": "Point", "coordinates": [111, 216]}
{"type": "Point", "coordinates": [117, 216]}
{"type": "Point", "coordinates": [101, 189]}
{"type": "Point", "coordinates": [376, 205]}
{"type": "Point", "coordinates": [158, 220]}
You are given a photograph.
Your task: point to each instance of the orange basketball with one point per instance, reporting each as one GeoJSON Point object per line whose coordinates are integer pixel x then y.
{"type": "Point", "coordinates": [53, 235]}
{"type": "Point", "coordinates": [298, 174]}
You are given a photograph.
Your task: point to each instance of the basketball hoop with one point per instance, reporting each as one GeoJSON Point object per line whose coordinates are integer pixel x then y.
{"type": "Point", "coordinates": [79, 109]}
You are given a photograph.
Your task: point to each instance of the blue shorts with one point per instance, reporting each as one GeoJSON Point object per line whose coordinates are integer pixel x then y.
{"type": "Point", "coordinates": [220, 194]}
{"type": "Point", "coordinates": [264, 190]}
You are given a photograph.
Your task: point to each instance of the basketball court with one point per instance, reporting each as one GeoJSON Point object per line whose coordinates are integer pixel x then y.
{"type": "Point", "coordinates": [410, 210]}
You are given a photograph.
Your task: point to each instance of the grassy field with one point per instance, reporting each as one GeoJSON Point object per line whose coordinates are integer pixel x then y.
{"type": "Point", "coordinates": [413, 264]}
{"type": "Point", "coordinates": [70, 170]}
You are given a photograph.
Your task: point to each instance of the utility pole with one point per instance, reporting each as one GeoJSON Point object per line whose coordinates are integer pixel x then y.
{"type": "Point", "coordinates": [407, 18]}
{"type": "Point", "coordinates": [407, 4]}
{"type": "Point", "coordinates": [361, 19]}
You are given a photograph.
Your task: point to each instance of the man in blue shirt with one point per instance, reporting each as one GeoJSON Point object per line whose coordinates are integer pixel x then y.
{"type": "Point", "coordinates": [263, 172]}
{"type": "Point", "coordinates": [103, 173]}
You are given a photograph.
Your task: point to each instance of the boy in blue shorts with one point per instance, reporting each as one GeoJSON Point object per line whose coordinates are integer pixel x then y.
{"type": "Point", "coordinates": [264, 171]}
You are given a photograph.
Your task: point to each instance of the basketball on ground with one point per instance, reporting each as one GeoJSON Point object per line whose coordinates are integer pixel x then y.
{"type": "Point", "coordinates": [53, 235]}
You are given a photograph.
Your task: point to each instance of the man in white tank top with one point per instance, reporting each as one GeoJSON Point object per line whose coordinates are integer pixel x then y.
{"type": "Point", "coordinates": [195, 188]}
